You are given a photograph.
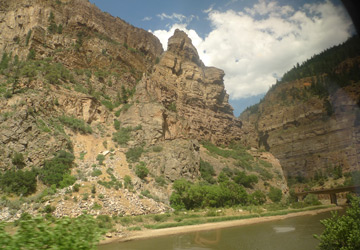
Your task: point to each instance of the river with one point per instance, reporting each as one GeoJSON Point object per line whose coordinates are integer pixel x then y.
{"type": "Point", "coordinates": [294, 233]}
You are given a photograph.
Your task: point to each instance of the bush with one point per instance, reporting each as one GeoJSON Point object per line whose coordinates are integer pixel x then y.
{"type": "Point", "coordinates": [257, 198]}
{"type": "Point", "coordinates": [18, 160]}
{"type": "Point", "coordinates": [245, 180]}
{"type": "Point", "coordinates": [141, 170]}
{"type": "Point", "coordinates": [18, 182]}
{"type": "Point", "coordinates": [122, 136]}
{"type": "Point", "coordinates": [116, 124]}
{"type": "Point", "coordinates": [190, 196]}
{"type": "Point", "coordinates": [76, 124]}
{"type": "Point", "coordinates": [275, 194]}
{"type": "Point", "coordinates": [312, 199]}
{"type": "Point", "coordinates": [127, 182]}
{"type": "Point", "coordinates": [342, 232]}
{"type": "Point", "coordinates": [134, 154]}
{"type": "Point", "coordinates": [100, 158]}
{"type": "Point", "coordinates": [96, 172]}
{"type": "Point", "coordinates": [207, 171]}
{"type": "Point", "coordinates": [65, 233]}
{"type": "Point", "coordinates": [56, 169]}
{"type": "Point", "coordinates": [160, 180]}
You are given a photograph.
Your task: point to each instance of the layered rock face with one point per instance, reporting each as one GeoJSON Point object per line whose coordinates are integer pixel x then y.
{"type": "Point", "coordinates": [303, 135]}
{"type": "Point", "coordinates": [35, 24]}
{"type": "Point", "coordinates": [193, 94]}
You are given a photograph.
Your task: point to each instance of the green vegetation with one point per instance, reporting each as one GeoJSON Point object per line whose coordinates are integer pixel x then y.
{"type": "Point", "coordinates": [82, 232]}
{"type": "Point", "coordinates": [57, 170]}
{"type": "Point", "coordinates": [160, 180]}
{"type": "Point", "coordinates": [189, 196]}
{"type": "Point", "coordinates": [100, 158]}
{"type": "Point", "coordinates": [116, 124]}
{"type": "Point", "coordinates": [19, 182]}
{"type": "Point", "coordinates": [114, 183]}
{"type": "Point", "coordinates": [275, 194]}
{"type": "Point", "coordinates": [207, 172]}
{"type": "Point", "coordinates": [96, 172]}
{"type": "Point", "coordinates": [127, 182]}
{"type": "Point", "coordinates": [326, 62]}
{"type": "Point", "coordinates": [18, 160]}
{"type": "Point", "coordinates": [342, 232]}
{"type": "Point", "coordinates": [134, 154]}
{"type": "Point", "coordinates": [122, 136]}
{"type": "Point", "coordinates": [76, 124]}
{"type": "Point", "coordinates": [172, 106]}
{"type": "Point", "coordinates": [141, 170]}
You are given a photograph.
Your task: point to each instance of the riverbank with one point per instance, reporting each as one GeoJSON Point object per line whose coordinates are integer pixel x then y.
{"type": "Point", "coordinates": [152, 233]}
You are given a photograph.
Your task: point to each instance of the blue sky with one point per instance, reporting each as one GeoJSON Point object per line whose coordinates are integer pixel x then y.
{"type": "Point", "coordinates": [254, 42]}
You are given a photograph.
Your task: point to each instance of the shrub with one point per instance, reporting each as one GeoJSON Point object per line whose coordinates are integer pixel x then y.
{"type": "Point", "coordinates": [134, 154]}
{"type": "Point", "coordinates": [57, 168]}
{"type": "Point", "coordinates": [76, 188]}
{"type": "Point", "coordinates": [31, 55]}
{"type": "Point", "coordinates": [127, 182]}
{"type": "Point", "coordinates": [160, 180]}
{"type": "Point", "coordinates": [257, 198]}
{"type": "Point", "coordinates": [65, 233]}
{"type": "Point", "coordinates": [342, 232]}
{"type": "Point", "coordinates": [49, 209]}
{"type": "Point", "coordinates": [207, 171]}
{"type": "Point", "coordinates": [245, 180]}
{"type": "Point", "coordinates": [122, 136]}
{"type": "Point", "coordinates": [312, 199]}
{"type": "Point", "coordinates": [18, 182]}
{"type": "Point", "coordinates": [190, 196]}
{"type": "Point", "coordinates": [275, 194]}
{"type": "Point", "coordinates": [18, 160]}
{"type": "Point", "coordinates": [96, 172]}
{"type": "Point", "coordinates": [141, 170]}
{"type": "Point", "coordinates": [100, 158]}
{"type": "Point", "coordinates": [76, 124]}
{"type": "Point", "coordinates": [116, 124]}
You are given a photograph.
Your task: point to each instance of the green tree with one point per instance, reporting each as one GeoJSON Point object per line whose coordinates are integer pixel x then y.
{"type": "Point", "coordinates": [275, 194]}
{"type": "Point", "coordinates": [342, 232]}
{"type": "Point", "coordinates": [57, 170]}
{"type": "Point", "coordinates": [141, 170]}
{"type": "Point", "coordinates": [18, 160]}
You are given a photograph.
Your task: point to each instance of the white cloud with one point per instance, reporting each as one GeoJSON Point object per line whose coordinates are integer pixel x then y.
{"type": "Point", "coordinates": [164, 35]}
{"type": "Point", "coordinates": [147, 18]}
{"type": "Point", "coordinates": [266, 40]}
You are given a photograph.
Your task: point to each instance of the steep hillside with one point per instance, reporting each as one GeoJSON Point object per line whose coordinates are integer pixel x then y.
{"type": "Point", "coordinates": [310, 119]}
{"type": "Point", "coordinates": [96, 117]}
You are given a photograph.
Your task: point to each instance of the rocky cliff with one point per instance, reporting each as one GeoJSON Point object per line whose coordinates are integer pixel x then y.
{"type": "Point", "coordinates": [194, 95]}
{"type": "Point", "coordinates": [311, 132]}
{"type": "Point", "coordinates": [75, 79]}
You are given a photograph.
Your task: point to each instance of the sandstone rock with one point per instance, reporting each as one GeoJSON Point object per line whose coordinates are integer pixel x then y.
{"type": "Point", "coordinates": [302, 135]}
{"type": "Point", "coordinates": [194, 96]}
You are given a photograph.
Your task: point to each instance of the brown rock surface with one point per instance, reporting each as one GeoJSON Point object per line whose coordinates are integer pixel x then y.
{"type": "Point", "coordinates": [302, 135]}
{"type": "Point", "coordinates": [194, 95]}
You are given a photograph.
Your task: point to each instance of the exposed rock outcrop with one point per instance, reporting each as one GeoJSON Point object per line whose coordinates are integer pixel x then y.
{"type": "Point", "coordinates": [302, 135]}
{"type": "Point", "coordinates": [193, 94]}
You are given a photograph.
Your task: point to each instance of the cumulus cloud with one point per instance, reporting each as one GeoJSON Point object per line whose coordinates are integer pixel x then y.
{"type": "Point", "coordinates": [164, 35]}
{"type": "Point", "coordinates": [258, 44]}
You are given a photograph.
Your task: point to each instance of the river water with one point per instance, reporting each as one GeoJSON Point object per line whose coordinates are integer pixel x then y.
{"type": "Point", "coordinates": [289, 234]}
